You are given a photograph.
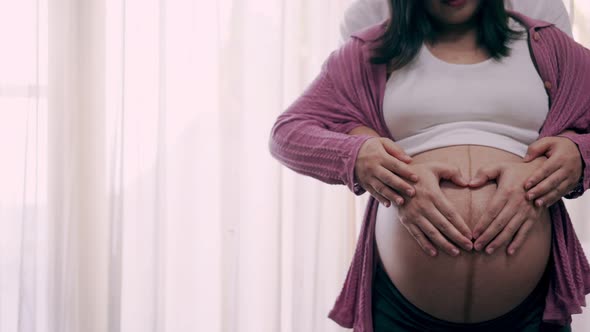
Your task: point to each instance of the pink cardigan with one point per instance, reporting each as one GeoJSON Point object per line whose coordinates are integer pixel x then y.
{"type": "Point", "coordinates": [310, 137]}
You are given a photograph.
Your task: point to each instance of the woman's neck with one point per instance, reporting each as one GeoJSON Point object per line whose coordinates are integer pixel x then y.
{"type": "Point", "coordinates": [461, 35]}
{"type": "Point", "coordinates": [458, 44]}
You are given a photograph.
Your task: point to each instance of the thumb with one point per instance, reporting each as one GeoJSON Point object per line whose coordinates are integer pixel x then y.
{"type": "Point", "coordinates": [537, 148]}
{"type": "Point", "coordinates": [452, 173]}
{"type": "Point", "coordinates": [485, 174]}
{"type": "Point", "coordinates": [395, 150]}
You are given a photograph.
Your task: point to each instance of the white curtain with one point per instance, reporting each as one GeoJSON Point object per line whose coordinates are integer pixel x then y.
{"type": "Point", "coordinates": [24, 231]}
{"type": "Point", "coordinates": [137, 192]}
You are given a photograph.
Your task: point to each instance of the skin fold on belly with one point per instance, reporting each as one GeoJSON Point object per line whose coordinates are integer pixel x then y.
{"type": "Point", "coordinates": [474, 286]}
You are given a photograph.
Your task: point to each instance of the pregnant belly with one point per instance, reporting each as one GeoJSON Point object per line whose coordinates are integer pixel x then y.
{"type": "Point", "coordinates": [473, 286]}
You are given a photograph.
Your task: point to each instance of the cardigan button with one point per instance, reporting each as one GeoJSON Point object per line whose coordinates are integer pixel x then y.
{"type": "Point", "coordinates": [536, 36]}
{"type": "Point", "coordinates": [548, 85]}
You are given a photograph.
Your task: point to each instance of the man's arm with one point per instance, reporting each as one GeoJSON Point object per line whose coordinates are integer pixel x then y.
{"type": "Point", "coordinates": [552, 11]}
{"type": "Point", "coordinates": [362, 14]}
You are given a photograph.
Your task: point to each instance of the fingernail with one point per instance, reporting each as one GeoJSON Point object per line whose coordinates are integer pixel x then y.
{"type": "Point", "coordinates": [399, 201]}
{"type": "Point", "coordinates": [511, 251]}
{"type": "Point", "coordinates": [468, 246]}
{"type": "Point", "coordinates": [478, 246]}
{"type": "Point", "coordinates": [455, 251]}
{"type": "Point", "coordinates": [490, 250]}
{"type": "Point", "coordinates": [530, 196]}
{"type": "Point", "coordinates": [527, 186]}
{"type": "Point", "coordinates": [414, 178]}
{"type": "Point", "coordinates": [432, 252]}
{"type": "Point", "coordinates": [410, 192]}
{"type": "Point", "coordinates": [539, 202]}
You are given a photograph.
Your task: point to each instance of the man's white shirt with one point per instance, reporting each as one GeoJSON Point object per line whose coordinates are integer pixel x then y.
{"type": "Point", "coordinates": [364, 13]}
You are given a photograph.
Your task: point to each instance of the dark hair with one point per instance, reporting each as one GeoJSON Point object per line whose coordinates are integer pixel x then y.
{"type": "Point", "coordinates": [410, 25]}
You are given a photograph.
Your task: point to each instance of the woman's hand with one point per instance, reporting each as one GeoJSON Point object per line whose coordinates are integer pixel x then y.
{"type": "Point", "coordinates": [429, 215]}
{"type": "Point", "coordinates": [381, 168]}
{"type": "Point", "coordinates": [558, 175]}
{"type": "Point", "coordinates": [509, 213]}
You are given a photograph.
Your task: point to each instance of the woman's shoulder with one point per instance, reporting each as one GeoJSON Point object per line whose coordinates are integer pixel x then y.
{"type": "Point", "coordinates": [356, 50]}
{"type": "Point", "coordinates": [527, 21]}
{"type": "Point", "coordinates": [551, 34]}
{"type": "Point", "coordinates": [371, 32]}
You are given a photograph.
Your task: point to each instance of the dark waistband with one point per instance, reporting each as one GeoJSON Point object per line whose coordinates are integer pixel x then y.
{"type": "Point", "coordinates": [389, 301]}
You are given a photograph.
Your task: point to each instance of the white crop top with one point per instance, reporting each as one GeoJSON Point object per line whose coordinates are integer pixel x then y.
{"type": "Point", "coordinates": [430, 103]}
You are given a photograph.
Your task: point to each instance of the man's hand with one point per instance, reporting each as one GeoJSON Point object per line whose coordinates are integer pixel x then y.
{"type": "Point", "coordinates": [429, 215]}
{"type": "Point", "coordinates": [509, 215]}
{"type": "Point", "coordinates": [558, 175]}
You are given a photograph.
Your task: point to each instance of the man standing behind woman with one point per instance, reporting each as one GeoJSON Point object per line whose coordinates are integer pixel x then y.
{"type": "Point", "coordinates": [309, 123]}
{"type": "Point", "coordinates": [364, 13]}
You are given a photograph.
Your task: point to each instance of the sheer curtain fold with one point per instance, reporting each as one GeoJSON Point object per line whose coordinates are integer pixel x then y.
{"type": "Point", "coordinates": [139, 194]}
{"type": "Point", "coordinates": [23, 202]}
{"type": "Point", "coordinates": [214, 235]}
{"type": "Point", "coordinates": [78, 234]}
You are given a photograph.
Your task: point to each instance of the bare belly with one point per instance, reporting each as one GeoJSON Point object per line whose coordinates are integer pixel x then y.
{"type": "Point", "coordinates": [474, 286]}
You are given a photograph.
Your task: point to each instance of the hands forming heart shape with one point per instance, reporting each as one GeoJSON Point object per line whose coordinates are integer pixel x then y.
{"type": "Point", "coordinates": [551, 169]}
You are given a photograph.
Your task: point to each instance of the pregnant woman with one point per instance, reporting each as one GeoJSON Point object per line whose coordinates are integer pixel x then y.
{"type": "Point", "coordinates": [463, 88]}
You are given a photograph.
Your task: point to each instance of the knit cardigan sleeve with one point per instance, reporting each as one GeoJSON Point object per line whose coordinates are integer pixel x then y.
{"type": "Point", "coordinates": [583, 143]}
{"type": "Point", "coordinates": [310, 136]}
{"type": "Point", "coordinates": [574, 86]}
